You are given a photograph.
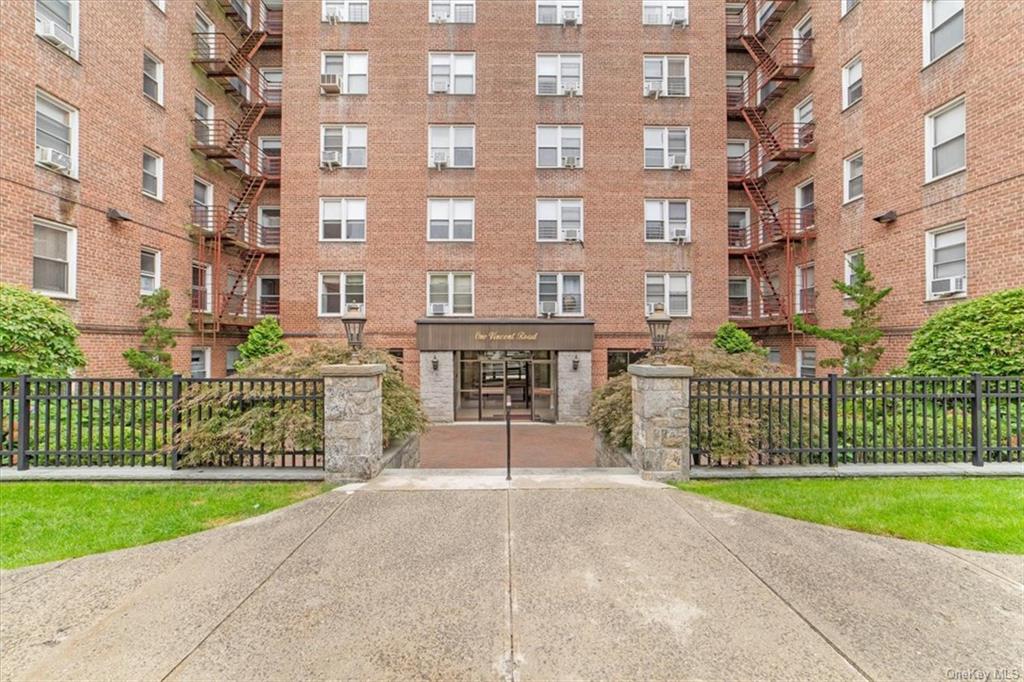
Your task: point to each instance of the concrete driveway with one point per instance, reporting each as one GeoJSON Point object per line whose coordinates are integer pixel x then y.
{"type": "Point", "coordinates": [432, 576]}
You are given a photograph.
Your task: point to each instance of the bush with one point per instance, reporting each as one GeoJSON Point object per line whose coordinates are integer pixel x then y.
{"type": "Point", "coordinates": [732, 339]}
{"type": "Point", "coordinates": [264, 340]}
{"type": "Point", "coordinates": [37, 336]}
{"type": "Point", "coordinates": [985, 335]}
{"type": "Point", "coordinates": [152, 360]}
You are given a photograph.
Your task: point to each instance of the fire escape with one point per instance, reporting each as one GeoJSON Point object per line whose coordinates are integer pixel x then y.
{"type": "Point", "coordinates": [778, 64]}
{"type": "Point", "coordinates": [230, 238]}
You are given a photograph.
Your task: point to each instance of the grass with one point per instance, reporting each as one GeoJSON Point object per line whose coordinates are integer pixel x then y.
{"type": "Point", "coordinates": [42, 522]}
{"type": "Point", "coordinates": [974, 513]}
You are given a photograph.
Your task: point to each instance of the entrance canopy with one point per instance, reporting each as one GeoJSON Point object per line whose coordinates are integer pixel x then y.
{"type": "Point", "coordinates": [453, 333]}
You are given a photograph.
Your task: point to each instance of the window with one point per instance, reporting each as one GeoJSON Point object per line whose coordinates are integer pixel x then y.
{"type": "Point", "coordinates": [450, 293]}
{"type": "Point", "coordinates": [339, 290]}
{"type": "Point", "coordinates": [666, 12]}
{"type": "Point", "coordinates": [947, 261]}
{"type": "Point", "coordinates": [853, 177]}
{"type": "Point", "coordinates": [805, 295]}
{"type": "Point", "coordinates": [804, 206]}
{"type": "Point", "coordinates": [735, 89]}
{"type": "Point", "coordinates": [739, 297]}
{"type": "Point", "coordinates": [152, 78]}
{"type": "Point", "coordinates": [946, 140]}
{"type": "Point", "coordinates": [457, 11]}
{"type": "Point", "coordinates": [352, 70]}
{"type": "Point", "coordinates": [271, 85]}
{"type": "Point", "coordinates": [54, 257]}
{"type": "Point", "coordinates": [559, 11]}
{"type": "Point", "coordinates": [620, 360]}
{"type": "Point", "coordinates": [202, 287]}
{"type": "Point", "coordinates": [149, 269]}
{"type": "Point", "coordinates": [269, 219]}
{"type": "Point", "coordinates": [737, 154]}
{"type": "Point", "coordinates": [199, 366]}
{"type": "Point", "coordinates": [270, 156]}
{"type": "Point", "coordinates": [152, 174]}
{"type": "Point", "coordinates": [806, 362]}
{"type": "Point", "coordinates": [559, 293]}
{"type": "Point", "coordinates": [851, 260]}
{"type": "Point", "coordinates": [343, 219]}
{"type": "Point", "coordinates": [56, 135]}
{"type": "Point", "coordinates": [450, 219]}
{"type": "Point", "coordinates": [452, 73]}
{"type": "Point", "coordinates": [343, 145]}
{"type": "Point", "coordinates": [559, 220]}
{"type": "Point", "coordinates": [203, 119]}
{"type": "Point", "coordinates": [202, 203]}
{"type": "Point", "coordinates": [774, 356]}
{"type": "Point", "coordinates": [666, 220]}
{"type": "Point", "coordinates": [57, 24]}
{"type": "Point", "coordinates": [160, 5]}
{"type": "Point", "coordinates": [666, 147]}
{"type": "Point", "coordinates": [803, 113]}
{"type": "Point", "coordinates": [672, 290]}
{"type": "Point", "coordinates": [853, 86]}
{"type": "Point", "coordinates": [452, 146]}
{"type": "Point", "coordinates": [268, 295]}
{"type": "Point", "coordinates": [943, 27]}
{"type": "Point", "coordinates": [667, 75]}
{"type": "Point", "coordinates": [739, 227]}
{"type": "Point", "coordinates": [559, 74]}
{"type": "Point", "coordinates": [846, 5]}
{"type": "Point", "coordinates": [356, 11]}
{"type": "Point", "coordinates": [231, 357]}
{"type": "Point", "coordinates": [559, 146]}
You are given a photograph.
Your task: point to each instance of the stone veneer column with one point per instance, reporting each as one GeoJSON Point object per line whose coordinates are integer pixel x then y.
{"type": "Point", "coordinates": [573, 386]}
{"type": "Point", "coordinates": [437, 386]}
{"type": "Point", "coordinates": [661, 420]}
{"type": "Point", "coordinates": [353, 427]}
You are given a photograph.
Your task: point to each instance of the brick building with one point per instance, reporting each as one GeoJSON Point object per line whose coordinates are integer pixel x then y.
{"type": "Point", "coordinates": [505, 188]}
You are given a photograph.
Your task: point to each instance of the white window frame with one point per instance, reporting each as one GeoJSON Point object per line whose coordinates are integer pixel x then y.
{"type": "Point", "coordinates": [848, 266]}
{"type": "Point", "coordinates": [743, 81]}
{"type": "Point", "coordinates": [205, 350]}
{"type": "Point", "coordinates": [750, 302]}
{"type": "Point", "coordinates": [560, 203]}
{"type": "Point", "coordinates": [73, 6]}
{"type": "Point", "coordinates": [346, 203]}
{"type": "Point", "coordinates": [451, 5]}
{"type": "Point", "coordinates": [801, 355]}
{"type": "Point", "coordinates": [208, 279]}
{"type": "Point", "coordinates": [665, 130]}
{"type": "Point", "coordinates": [560, 7]}
{"type": "Point", "coordinates": [666, 229]}
{"type": "Point", "coordinates": [156, 270]}
{"type": "Point", "coordinates": [798, 281]}
{"type": "Point", "coordinates": [560, 59]}
{"type": "Point", "coordinates": [930, 236]}
{"type": "Point", "coordinates": [261, 219]}
{"type": "Point", "coordinates": [451, 292]}
{"type": "Point", "coordinates": [451, 143]}
{"type": "Point", "coordinates": [927, 30]}
{"type": "Point", "coordinates": [259, 294]}
{"type": "Point", "coordinates": [72, 125]}
{"type": "Point", "coordinates": [346, 10]}
{"type": "Point", "coordinates": [746, 220]}
{"type": "Point", "coordinates": [160, 5]}
{"type": "Point", "coordinates": [158, 174]}
{"type": "Point", "coordinates": [560, 292]}
{"type": "Point", "coordinates": [449, 59]}
{"type": "Point", "coordinates": [746, 152]}
{"type": "Point", "coordinates": [667, 283]}
{"type": "Point", "coordinates": [346, 71]}
{"type": "Point", "coordinates": [798, 28]}
{"type": "Point", "coordinates": [343, 291]}
{"type": "Point", "coordinates": [929, 139]}
{"type": "Point", "coordinates": [72, 258]}
{"type": "Point", "coordinates": [847, 177]}
{"type": "Point", "coordinates": [158, 78]}
{"type": "Point", "coordinates": [665, 7]}
{"type": "Point", "coordinates": [665, 59]}
{"type": "Point", "coordinates": [559, 149]}
{"type": "Point", "coordinates": [345, 146]}
{"type": "Point", "coordinates": [806, 101]}
{"type": "Point", "coordinates": [451, 203]}
{"type": "Point", "coordinates": [847, 102]}
{"type": "Point", "coordinates": [797, 196]}
{"type": "Point", "coordinates": [845, 6]}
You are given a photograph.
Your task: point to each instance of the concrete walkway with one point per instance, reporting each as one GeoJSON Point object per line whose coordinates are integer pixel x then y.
{"type": "Point", "coordinates": [569, 576]}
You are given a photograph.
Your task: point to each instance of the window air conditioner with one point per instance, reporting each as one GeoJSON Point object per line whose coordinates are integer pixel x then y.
{"type": "Point", "coordinates": [439, 159]}
{"type": "Point", "coordinates": [330, 158]}
{"type": "Point", "coordinates": [548, 308]}
{"type": "Point", "coordinates": [439, 85]}
{"type": "Point", "coordinates": [678, 18]}
{"type": "Point", "coordinates": [359, 308]}
{"type": "Point", "coordinates": [570, 161]}
{"type": "Point", "coordinates": [680, 234]}
{"type": "Point", "coordinates": [438, 308]}
{"type": "Point", "coordinates": [676, 162]}
{"type": "Point", "coordinates": [52, 158]}
{"type": "Point", "coordinates": [571, 92]}
{"type": "Point", "coordinates": [652, 90]}
{"type": "Point", "coordinates": [949, 286]}
{"type": "Point", "coordinates": [330, 84]}
{"type": "Point", "coordinates": [55, 35]}
{"type": "Point", "coordinates": [571, 234]}
{"type": "Point", "coordinates": [439, 18]}
{"type": "Point", "coordinates": [649, 307]}
{"type": "Point", "coordinates": [335, 14]}
{"type": "Point", "coordinates": [570, 17]}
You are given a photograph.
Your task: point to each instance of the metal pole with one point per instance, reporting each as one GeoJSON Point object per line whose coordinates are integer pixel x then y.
{"type": "Point", "coordinates": [976, 435]}
{"type": "Point", "coordinates": [833, 414]}
{"type": "Point", "coordinates": [508, 438]}
{"type": "Point", "coordinates": [23, 406]}
{"type": "Point", "coordinates": [175, 418]}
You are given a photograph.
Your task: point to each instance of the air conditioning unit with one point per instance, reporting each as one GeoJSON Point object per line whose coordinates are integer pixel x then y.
{"type": "Point", "coordinates": [571, 234]}
{"type": "Point", "coordinates": [649, 308]}
{"type": "Point", "coordinates": [571, 92]}
{"type": "Point", "coordinates": [439, 18]}
{"type": "Point", "coordinates": [678, 18]}
{"type": "Point", "coordinates": [949, 286]}
{"type": "Point", "coordinates": [439, 85]}
{"type": "Point", "coordinates": [439, 159]}
{"type": "Point", "coordinates": [330, 84]}
{"type": "Point", "coordinates": [330, 158]}
{"type": "Point", "coordinates": [335, 14]}
{"type": "Point", "coordinates": [438, 308]}
{"type": "Point", "coordinates": [653, 90]}
{"type": "Point", "coordinates": [358, 308]}
{"type": "Point", "coordinates": [548, 308]}
{"type": "Point", "coordinates": [680, 234]}
{"type": "Point", "coordinates": [676, 162]}
{"type": "Point", "coordinates": [55, 35]}
{"type": "Point", "coordinates": [52, 158]}
{"type": "Point", "coordinates": [570, 17]}
{"type": "Point", "coordinates": [570, 162]}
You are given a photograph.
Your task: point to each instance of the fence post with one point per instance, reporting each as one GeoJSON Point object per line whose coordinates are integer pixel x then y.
{"type": "Point", "coordinates": [976, 435]}
{"type": "Point", "coordinates": [661, 421]}
{"type": "Point", "coordinates": [353, 422]}
{"type": "Point", "coordinates": [23, 423]}
{"type": "Point", "coordinates": [175, 418]}
{"type": "Point", "coordinates": [833, 420]}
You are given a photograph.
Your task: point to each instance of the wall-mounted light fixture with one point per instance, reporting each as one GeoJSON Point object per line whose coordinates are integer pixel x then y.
{"type": "Point", "coordinates": [434, 363]}
{"type": "Point", "coordinates": [116, 215]}
{"type": "Point", "coordinates": [886, 218]}
{"type": "Point", "coordinates": [575, 362]}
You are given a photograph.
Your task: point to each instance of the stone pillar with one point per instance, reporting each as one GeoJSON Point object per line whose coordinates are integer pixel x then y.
{"type": "Point", "coordinates": [573, 387]}
{"type": "Point", "coordinates": [661, 421]}
{"type": "Point", "coordinates": [353, 429]}
{"type": "Point", "coordinates": [437, 386]}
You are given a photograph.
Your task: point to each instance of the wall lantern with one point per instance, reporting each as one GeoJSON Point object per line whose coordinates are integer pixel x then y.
{"type": "Point", "coordinates": [354, 321]}
{"type": "Point", "coordinates": [659, 321]}
{"type": "Point", "coordinates": [434, 364]}
{"type": "Point", "coordinates": [575, 362]}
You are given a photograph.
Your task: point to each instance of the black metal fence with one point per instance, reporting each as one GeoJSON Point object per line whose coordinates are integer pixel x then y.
{"type": "Point", "coordinates": [837, 420]}
{"type": "Point", "coordinates": [140, 422]}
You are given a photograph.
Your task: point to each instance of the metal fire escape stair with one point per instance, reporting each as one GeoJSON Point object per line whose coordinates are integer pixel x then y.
{"type": "Point", "coordinates": [764, 134]}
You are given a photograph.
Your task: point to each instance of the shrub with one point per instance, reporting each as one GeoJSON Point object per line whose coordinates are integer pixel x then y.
{"type": "Point", "coordinates": [264, 340]}
{"type": "Point", "coordinates": [152, 360]}
{"type": "Point", "coordinates": [732, 339]}
{"type": "Point", "coordinates": [36, 335]}
{"type": "Point", "coordinates": [985, 335]}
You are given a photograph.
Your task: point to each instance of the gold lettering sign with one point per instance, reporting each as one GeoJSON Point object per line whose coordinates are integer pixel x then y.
{"type": "Point", "coordinates": [506, 336]}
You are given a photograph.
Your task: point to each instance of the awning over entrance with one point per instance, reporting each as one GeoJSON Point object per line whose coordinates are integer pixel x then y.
{"type": "Point", "coordinates": [452, 333]}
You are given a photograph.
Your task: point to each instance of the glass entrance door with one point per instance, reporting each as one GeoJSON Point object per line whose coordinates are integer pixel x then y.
{"type": "Point", "coordinates": [487, 379]}
{"type": "Point", "coordinates": [492, 391]}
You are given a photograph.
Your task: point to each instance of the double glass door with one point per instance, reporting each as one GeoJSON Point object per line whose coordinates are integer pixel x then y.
{"type": "Point", "coordinates": [490, 378]}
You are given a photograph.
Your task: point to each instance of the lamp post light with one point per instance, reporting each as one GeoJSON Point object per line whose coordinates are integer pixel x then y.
{"type": "Point", "coordinates": [659, 322]}
{"type": "Point", "coordinates": [354, 321]}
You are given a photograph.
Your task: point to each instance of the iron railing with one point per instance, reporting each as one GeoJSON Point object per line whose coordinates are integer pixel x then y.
{"type": "Point", "coordinates": [864, 420]}
{"type": "Point", "coordinates": [138, 422]}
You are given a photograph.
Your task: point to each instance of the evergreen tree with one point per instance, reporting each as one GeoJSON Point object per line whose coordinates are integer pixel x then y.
{"type": "Point", "coordinates": [266, 338]}
{"type": "Point", "coordinates": [152, 359]}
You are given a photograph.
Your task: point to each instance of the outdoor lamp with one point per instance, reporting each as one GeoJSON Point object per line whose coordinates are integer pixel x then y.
{"type": "Point", "coordinates": [354, 321]}
{"type": "Point", "coordinates": [434, 363]}
{"type": "Point", "coordinates": [659, 321]}
{"type": "Point", "coordinates": [575, 362]}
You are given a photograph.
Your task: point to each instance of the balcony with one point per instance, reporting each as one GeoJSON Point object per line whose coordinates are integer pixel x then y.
{"type": "Point", "coordinates": [739, 237]}
{"type": "Point", "coordinates": [735, 100]}
{"type": "Point", "coordinates": [739, 309]}
{"type": "Point", "coordinates": [236, 228]}
{"type": "Point", "coordinates": [268, 305]}
{"type": "Point", "coordinates": [273, 24]}
{"type": "Point", "coordinates": [783, 223]}
{"type": "Point", "coordinates": [222, 141]}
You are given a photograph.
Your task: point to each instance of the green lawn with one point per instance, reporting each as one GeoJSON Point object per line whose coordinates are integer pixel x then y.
{"type": "Point", "coordinates": [975, 513]}
{"type": "Point", "coordinates": [42, 522]}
